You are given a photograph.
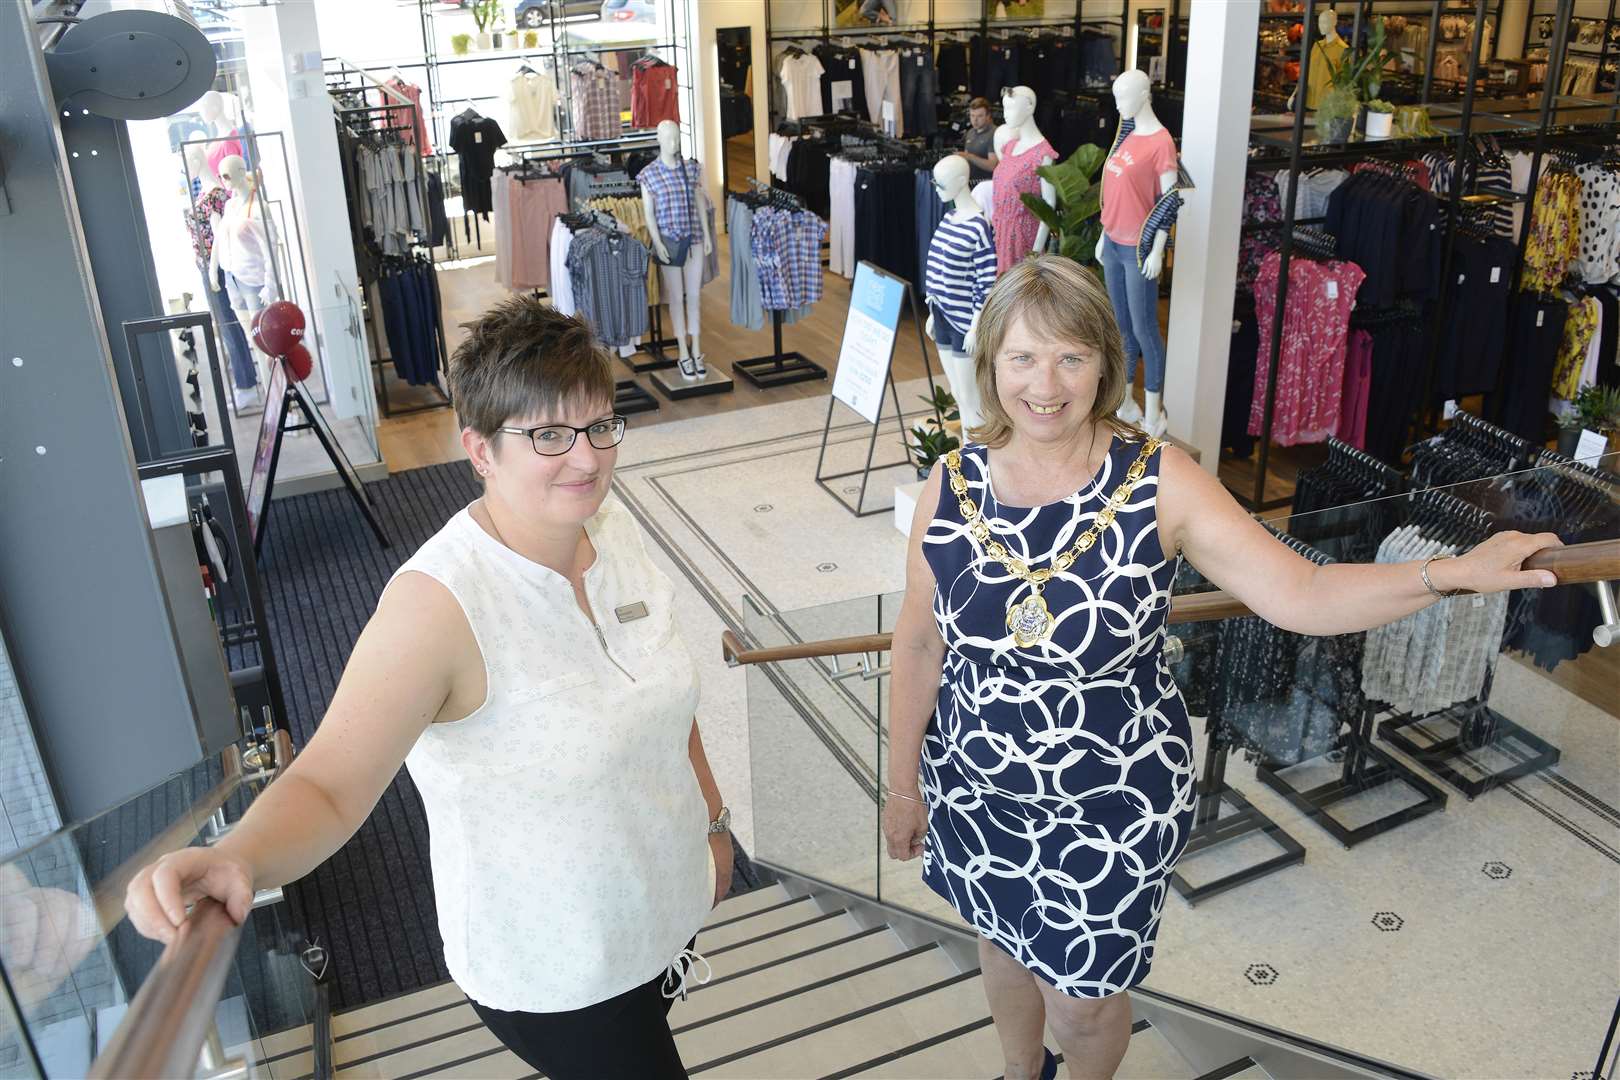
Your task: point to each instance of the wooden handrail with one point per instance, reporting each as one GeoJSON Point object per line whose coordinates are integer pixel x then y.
{"type": "Point", "coordinates": [163, 1031]}
{"type": "Point", "coordinates": [1596, 560]}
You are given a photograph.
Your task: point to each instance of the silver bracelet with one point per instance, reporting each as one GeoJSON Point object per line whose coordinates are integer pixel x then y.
{"type": "Point", "coordinates": [1427, 584]}
{"type": "Point", "coordinates": [908, 798]}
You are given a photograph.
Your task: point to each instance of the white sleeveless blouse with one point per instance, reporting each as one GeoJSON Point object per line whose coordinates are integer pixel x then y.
{"type": "Point", "coordinates": [568, 834]}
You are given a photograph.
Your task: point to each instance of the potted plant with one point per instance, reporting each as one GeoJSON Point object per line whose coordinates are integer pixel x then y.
{"type": "Point", "coordinates": [1356, 78]}
{"type": "Point", "coordinates": [1380, 118]}
{"type": "Point", "coordinates": [943, 404]}
{"type": "Point", "coordinates": [460, 43]}
{"type": "Point", "coordinates": [1597, 409]}
{"type": "Point", "coordinates": [1077, 222]}
{"type": "Point", "coordinates": [486, 14]}
{"type": "Point", "coordinates": [531, 39]}
{"type": "Point", "coordinates": [929, 443]}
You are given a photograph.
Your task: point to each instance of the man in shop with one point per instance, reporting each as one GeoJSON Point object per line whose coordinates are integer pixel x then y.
{"type": "Point", "coordinates": [979, 141]}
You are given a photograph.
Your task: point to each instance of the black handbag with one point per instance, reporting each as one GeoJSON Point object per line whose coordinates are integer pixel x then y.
{"type": "Point", "coordinates": [679, 249]}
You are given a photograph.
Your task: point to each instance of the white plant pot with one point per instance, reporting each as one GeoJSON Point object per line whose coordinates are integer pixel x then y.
{"type": "Point", "coordinates": [1378, 125]}
{"type": "Point", "coordinates": [485, 41]}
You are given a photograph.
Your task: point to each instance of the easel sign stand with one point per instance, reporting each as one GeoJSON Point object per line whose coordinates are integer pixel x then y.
{"type": "Point", "coordinates": [865, 369]}
{"type": "Point", "coordinates": [280, 393]}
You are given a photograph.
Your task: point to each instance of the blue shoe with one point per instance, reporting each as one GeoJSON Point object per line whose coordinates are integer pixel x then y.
{"type": "Point", "coordinates": [1048, 1066]}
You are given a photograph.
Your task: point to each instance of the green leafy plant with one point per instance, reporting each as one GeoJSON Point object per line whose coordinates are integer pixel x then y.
{"type": "Point", "coordinates": [486, 13]}
{"type": "Point", "coordinates": [1362, 73]}
{"type": "Point", "coordinates": [1077, 221]}
{"type": "Point", "coordinates": [1379, 105]}
{"type": "Point", "coordinates": [531, 39]}
{"type": "Point", "coordinates": [942, 403]}
{"type": "Point", "coordinates": [1598, 407]}
{"type": "Point", "coordinates": [929, 443]}
{"type": "Point", "coordinates": [460, 43]}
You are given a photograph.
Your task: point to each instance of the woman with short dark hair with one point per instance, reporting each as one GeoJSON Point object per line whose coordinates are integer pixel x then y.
{"type": "Point", "coordinates": [523, 664]}
{"type": "Point", "coordinates": [1041, 759]}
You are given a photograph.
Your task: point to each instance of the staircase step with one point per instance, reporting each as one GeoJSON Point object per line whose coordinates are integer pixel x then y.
{"type": "Point", "coordinates": [730, 1035]}
{"type": "Point", "coordinates": [1242, 1069]}
{"type": "Point", "coordinates": [812, 932]}
{"type": "Point", "coordinates": [736, 988]}
{"type": "Point", "coordinates": [858, 1034]}
{"type": "Point", "coordinates": [789, 912]}
{"type": "Point", "coordinates": [977, 1054]}
{"type": "Point", "coordinates": [747, 903]}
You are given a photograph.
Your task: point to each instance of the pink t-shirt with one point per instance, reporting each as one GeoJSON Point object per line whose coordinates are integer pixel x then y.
{"type": "Point", "coordinates": [1131, 183]}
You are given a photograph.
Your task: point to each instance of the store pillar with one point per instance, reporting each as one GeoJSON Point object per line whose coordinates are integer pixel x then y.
{"type": "Point", "coordinates": [283, 44]}
{"type": "Point", "coordinates": [1214, 144]}
{"type": "Point", "coordinates": [86, 620]}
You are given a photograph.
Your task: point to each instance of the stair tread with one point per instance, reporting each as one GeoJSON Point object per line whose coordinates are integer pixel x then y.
{"type": "Point", "coordinates": [977, 1054]}
{"type": "Point", "coordinates": [765, 1022]}
{"type": "Point", "coordinates": [758, 923]}
{"type": "Point", "coordinates": [866, 1036]}
{"type": "Point", "coordinates": [747, 903]}
{"type": "Point", "coordinates": [731, 990]}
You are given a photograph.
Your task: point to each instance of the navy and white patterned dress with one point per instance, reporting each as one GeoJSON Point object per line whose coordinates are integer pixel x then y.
{"type": "Point", "coordinates": [1059, 778]}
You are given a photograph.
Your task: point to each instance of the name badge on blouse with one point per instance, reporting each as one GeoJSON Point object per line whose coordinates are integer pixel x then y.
{"type": "Point", "coordinates": [631, 612]}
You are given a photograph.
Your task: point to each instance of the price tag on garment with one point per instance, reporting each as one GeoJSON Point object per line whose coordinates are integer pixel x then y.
{"type": "Point", "coordinates": [1591, 446]}
{"type": "Point", "coordinates": [1449, 410]}
{"type": "Point", "coordinates": [1461, 278]}
{"type": "Point", "coordinates": [843, 92]}
{"type": "Point", "coordinates": [478, 136]}
{"type": "Point", "coordinates": [1541, 317]}
{"type": "Point", "coordinates": [1333, 290]}
{"type": "Point", "coordinates": [921, 60]}
{"type": "Point", "coordinates": [1496, 274]}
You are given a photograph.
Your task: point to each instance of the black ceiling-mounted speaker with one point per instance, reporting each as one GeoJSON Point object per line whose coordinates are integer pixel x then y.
{"type": "Point", "coordinates": [132, 63]}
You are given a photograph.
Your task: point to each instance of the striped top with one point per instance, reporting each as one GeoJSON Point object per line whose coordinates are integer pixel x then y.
{"type": "Point", "coordinates": [961, 267]}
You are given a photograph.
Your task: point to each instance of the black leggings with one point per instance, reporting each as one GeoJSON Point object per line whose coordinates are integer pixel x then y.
{"type": "Point", "coordinates": [624, 1037]}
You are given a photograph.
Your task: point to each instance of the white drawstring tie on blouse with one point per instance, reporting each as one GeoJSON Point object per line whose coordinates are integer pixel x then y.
{"type": "Point", "coordinates": [680, 970]}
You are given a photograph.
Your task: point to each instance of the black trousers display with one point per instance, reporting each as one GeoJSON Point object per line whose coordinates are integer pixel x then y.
{"type": "Point", "coordinates": [623, 1038]}
{"type": "Point", "coordinates": [1535, 332]}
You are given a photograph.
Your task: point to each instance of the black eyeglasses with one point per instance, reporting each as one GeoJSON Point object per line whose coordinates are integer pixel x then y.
{"type": "Point", "coordinates": [550, 440]}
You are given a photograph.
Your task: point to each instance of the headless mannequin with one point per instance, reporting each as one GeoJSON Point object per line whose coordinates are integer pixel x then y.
{"type": "Point", "coordinates": [1019, 131]}
{"type": "Point", "coordinates": [951, 181]}
{"type": "Point", "coordinates": [681, 283]}
{"type": "Point", "coordinates": [239, 236]}
{"type": "Point", "coordinates": [1133, 93]}
{"type": "Point", "coordinates": [1327, 27]}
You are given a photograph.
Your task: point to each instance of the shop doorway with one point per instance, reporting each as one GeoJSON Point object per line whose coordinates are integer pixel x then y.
{"type": "Point", "coordinates": [736, 50]}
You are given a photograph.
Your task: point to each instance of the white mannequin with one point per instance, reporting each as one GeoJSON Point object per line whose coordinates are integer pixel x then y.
{"type": "Point", "coordinates": [1018, 110]}
{"type": "Point", "coordinates": [681, 283]}
{"type": "Point", "coordinates": [212, 107]}
{"type": "Point", "coordinates": [242, 243]}
{"type": "Point", "coordinates": [951, 181]}
{"type": "Point", "coordinates": [1133, 93]}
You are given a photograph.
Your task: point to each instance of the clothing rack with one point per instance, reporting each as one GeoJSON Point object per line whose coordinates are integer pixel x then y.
{"type": "Point", "coordinates": [1538, 135]}
{"type": "Point", "coordinates": [371, 263]}
{"type": "Point", "coordinates": [779, 367]}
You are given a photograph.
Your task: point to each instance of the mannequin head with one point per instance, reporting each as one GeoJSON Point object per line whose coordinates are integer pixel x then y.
{"type": "Point", "coordinates": [197, 160]}
{"type": "Point", "coordinates": [1327, 23]}
{"type": "Point", "coordinates": [951, 177]}
{"type": "Point", "coordinates": [1017, 105]}
{"type": "Point", "coordinates": [669, 139]}
{"type": "Point", "coordinates": [233, 172]}
{"type": "Point", "coordinates": [212, 107]}
{"type": "Point", "coordinates": [1132, 93]}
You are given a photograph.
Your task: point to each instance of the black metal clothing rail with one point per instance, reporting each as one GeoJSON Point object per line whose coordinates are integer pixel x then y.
{"type": "Point", "coordinates": [1299, 158]}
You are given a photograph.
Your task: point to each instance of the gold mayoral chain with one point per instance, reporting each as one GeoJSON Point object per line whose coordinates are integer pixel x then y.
{"type": "Point", "coordinates": [1029, 619]}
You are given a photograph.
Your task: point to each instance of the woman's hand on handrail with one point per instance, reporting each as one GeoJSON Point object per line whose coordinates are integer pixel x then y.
{"type": "Point", "coordinates": [160, 894]}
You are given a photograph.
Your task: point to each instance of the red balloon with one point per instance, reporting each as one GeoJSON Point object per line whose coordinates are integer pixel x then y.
{"type": "Point", "coordinates": [281, 326]}
{"type": "Point", "coordinates": [258, 342]}
{"type": "Point", "coordinates": [299, 362]}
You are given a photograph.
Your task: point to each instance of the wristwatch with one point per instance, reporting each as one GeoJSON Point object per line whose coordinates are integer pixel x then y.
{"type": "Point", "coordinates": [721, 824]}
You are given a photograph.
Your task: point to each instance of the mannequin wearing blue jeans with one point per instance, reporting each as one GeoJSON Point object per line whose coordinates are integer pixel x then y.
{"type": "Point", "coordinates": [869, 9]}
{"type": "Point", "coordinates": [1136, 307]}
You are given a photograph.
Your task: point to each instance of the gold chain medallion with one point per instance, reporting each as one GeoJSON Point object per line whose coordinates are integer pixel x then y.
{"type": "Point", "coordinates": [1029, 619]}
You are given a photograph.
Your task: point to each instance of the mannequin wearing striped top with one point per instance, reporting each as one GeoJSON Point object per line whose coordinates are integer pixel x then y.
{"type": "Point", "coordinates": [961, 268]}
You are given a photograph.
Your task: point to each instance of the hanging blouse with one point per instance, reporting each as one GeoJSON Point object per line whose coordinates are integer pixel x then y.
{"type": "Point", "coordinates": [1599, 258]}
{"type": "Point", "coordinates": [1310, 367]}
{"type": "Point", "coordinates": [1555, 230]}
{"type": "Point", "coordinates": [1260, 205]}
{"type": "Point", "coordinates": [1579, 329]}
